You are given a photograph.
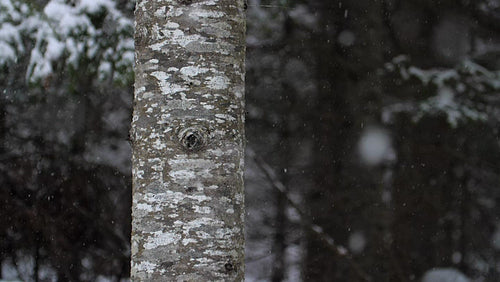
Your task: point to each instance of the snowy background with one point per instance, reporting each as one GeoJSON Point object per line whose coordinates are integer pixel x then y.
{"type": "Point", "coordinates": [372, 127]}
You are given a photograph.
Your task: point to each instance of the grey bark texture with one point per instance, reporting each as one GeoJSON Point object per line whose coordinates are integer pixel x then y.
{"type": "Point", "coordinates": [188, 141]}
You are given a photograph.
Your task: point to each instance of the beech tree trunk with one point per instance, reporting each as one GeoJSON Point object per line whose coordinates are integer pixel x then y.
{"type": "Point", "coordinates": [188, 141]}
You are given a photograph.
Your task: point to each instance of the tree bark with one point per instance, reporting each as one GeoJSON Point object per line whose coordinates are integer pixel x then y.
{"type": "Point", "coordinates": [188, 141]}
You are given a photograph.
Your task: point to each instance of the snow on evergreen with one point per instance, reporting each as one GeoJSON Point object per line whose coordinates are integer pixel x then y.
{"type": "Point", "coordinates": [444, 91]}
{"type": "Point", "coordinates": [89, 30]}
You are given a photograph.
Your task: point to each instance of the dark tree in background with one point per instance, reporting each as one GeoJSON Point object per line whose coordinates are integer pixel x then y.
{"type": "Point", "coordinates": [390, 111]}
{"type": "Point", "coordinates": [65, 100]}
{"type": "Point", "coordinates": [372, 127]}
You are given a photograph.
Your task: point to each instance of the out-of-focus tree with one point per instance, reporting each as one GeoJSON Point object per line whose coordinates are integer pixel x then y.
{"type": "Point", "coordinates": [65, 76]}
{"type": "Point", "coordinates": [401, 112]}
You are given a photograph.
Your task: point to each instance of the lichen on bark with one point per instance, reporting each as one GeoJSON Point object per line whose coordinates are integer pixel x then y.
{"type": "Point", "coordinates": [188, 141]}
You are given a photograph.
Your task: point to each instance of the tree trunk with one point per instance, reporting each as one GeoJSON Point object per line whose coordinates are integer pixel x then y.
{"type": "Point", "coordinates": [339, 200]}
{"type": "Point", "coordinates": [188, 141]}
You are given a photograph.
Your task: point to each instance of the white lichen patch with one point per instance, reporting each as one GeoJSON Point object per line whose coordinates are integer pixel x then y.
{"type": "Point", "coordinates": [151, 64]}
{"type": "Point", "coordinates": [202, 209]}
{"type": "Point", "coordinates": [154, 135]}
{"type": "Point", "coordinates": [155, 199]}
{"type": "Point", "coordinates": [225, 117]}
{"type": "Point", "coordinates": [159, 238]}
{"type": "Point", "coordinates": [164, 120]}
{"type": "Point", "coordinates": [156, 164]}
{"type": "Point", "coordinates": [159, 144]}
{"type": "Point", "coordinates": [223, 233]}
{"type": "Point", "coordinates": [207, 3]}
{"type": "Point", "coordinates": [193, 71]}
{"type": "Point", "coordinates": [225, 200]}
{"type": "Point", "coordinates": [147, 95]}
{"type": "Point", "coordinates": [172, 37]}
{"type": "Point", "coordinates": [198, 14]}
{"type": "Point", "coordinates": [199, 198]}
{"type": "Point", "coordinates": [182, 175]}
{"type": "Point", "coordinates": [199, 222]}
{"type": "Point", "coordinates": [160, 12]}
{"type": "Point", "coordinates": [166, 87]}
{"type": "Point", "coordinates": [157, 167]}
{"type": "Point", "coordinates": [201, 234]}
{"type": "Point", "coordinates": [239, 198]}
{"type": "Point", "coordinates": [140, 90]}
{"type": "Point", "coordinates": [239, 92]}
{"type": "Point", "coordinates": [230, 166]}
{"type": "Point", "coordinates": [145, 207]}
{"type": "Point", "coordinates": [174, 12]}
{"type": "Point", "coordinates": [145, 266]}
{"type": "Point", "coordinates": [186, 241]}
{"type": "Point", "coordinates": [204, 260]}
{"type": "Point", "coordinates": [217, 82]}
{"type": "Point", "coordinates": [220, 133]}
{"type": "Point", "coordinates": [183, 104]}
{"type": "Point", "coordinates": [188, 169]}
{"type": "Point", "coordinates": [171, 25]}
{"type": "Point", "coordinates": [217, 152]}
{"type": "Point", "coordinates": [170, 200]}
{"type": "Point", "coordinates": [214, 253]}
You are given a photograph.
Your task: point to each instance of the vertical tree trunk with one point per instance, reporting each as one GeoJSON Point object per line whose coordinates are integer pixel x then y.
{"type": "Point", "coordinates": [345, 84]}
{"type": "Point", "coordinates": [188, 137]}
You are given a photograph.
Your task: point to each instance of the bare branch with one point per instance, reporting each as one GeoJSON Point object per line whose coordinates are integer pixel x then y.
{"type": "Point", "coordinates": [329, 242]}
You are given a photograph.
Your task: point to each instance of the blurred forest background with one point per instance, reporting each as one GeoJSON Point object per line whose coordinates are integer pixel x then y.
{"type": "Point", "coordinates": [372, 126]}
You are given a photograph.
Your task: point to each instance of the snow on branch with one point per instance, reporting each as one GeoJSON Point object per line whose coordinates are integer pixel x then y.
{"type": "Point", "coordinates": [93, 31]}
{"type": "Point", "coordinates": [463, 93]}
